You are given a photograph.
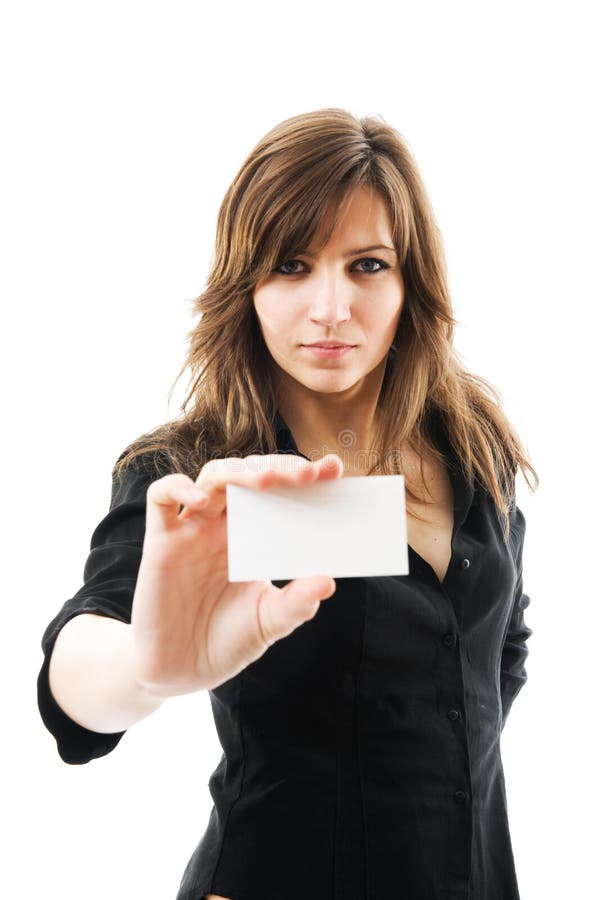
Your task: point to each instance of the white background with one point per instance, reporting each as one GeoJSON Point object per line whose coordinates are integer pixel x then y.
{"type": "Point", "coordinates": [123, 124]}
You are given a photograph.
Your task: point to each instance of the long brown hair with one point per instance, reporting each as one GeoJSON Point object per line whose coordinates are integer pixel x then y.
{"type": "Point", "coordinates": [294, 183]}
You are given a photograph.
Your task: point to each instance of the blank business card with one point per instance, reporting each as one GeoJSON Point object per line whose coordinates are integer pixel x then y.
{"type": "Point", "coordinates": [346, 528]}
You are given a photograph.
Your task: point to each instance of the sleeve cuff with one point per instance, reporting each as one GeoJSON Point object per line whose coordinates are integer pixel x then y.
{"type": "Point", "coordinates": [76, 745]}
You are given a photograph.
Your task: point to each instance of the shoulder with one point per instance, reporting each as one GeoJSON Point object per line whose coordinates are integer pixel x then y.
{"type": "Point", "coordinates": [132, 473]}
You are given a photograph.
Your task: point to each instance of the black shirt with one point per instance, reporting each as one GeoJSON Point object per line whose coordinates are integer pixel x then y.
{"type": "Point", "coordinates": [361, 753]}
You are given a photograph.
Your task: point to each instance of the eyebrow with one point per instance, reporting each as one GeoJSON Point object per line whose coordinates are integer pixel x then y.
{"type": "Point", "coordinates": [355, 252]}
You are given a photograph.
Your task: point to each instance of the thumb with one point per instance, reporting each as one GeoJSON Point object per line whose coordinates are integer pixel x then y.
{"type": "Point", "coordinates": [282, 610]}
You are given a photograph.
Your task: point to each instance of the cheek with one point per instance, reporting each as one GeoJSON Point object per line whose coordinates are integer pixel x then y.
{"type": "Point", "coordinates": [266, 315]}
{"type": "Point", "coordinates": [276, 319]}
{"type": "Point", "coordinates": [394, 314]}
{"type": "Point", "coordinates": [275, 328]}
{"type": "Point", "coordinates": [382, 324]}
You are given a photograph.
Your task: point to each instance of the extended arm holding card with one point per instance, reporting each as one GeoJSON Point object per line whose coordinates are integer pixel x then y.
{"type": "Point", "coordinates": [190, 627]}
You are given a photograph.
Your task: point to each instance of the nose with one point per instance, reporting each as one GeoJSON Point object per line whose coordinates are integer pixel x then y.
{"type": "Point", "coordinates": [331, 303]}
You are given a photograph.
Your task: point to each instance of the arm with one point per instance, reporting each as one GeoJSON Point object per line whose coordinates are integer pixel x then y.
{"type": "Point", "coordinates": [89, 636]}
{"type": "Point", "coordinates": [90, 675]}
{"type": "Point", "coordinates": [513, 673]}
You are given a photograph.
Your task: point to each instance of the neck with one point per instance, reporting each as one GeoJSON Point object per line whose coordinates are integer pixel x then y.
{"type": "Point", "coordinates": [341, 423]}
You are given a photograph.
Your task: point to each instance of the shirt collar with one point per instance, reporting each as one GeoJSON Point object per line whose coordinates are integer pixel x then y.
{"type": "Point", "coordinates": [283, 436]}
{"type": "Point", "coordinates": [463, 489]}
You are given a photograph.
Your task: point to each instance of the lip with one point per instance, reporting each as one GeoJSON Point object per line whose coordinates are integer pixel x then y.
{"type": "Point", "coordinates": [328, 344]}
{"type": "Point", "coordinates": [328, 349]}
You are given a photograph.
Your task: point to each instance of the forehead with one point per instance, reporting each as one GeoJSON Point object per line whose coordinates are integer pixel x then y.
{"type": "Point", "coordinates": [363, 211]}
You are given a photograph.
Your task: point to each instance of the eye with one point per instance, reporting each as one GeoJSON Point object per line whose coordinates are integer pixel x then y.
{"type": "Point", "coordinates": [379, 263]}
{"type": "Point", "coordinates": [286, 263]}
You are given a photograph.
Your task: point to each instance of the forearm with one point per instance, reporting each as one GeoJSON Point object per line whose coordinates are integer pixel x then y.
{"type": "Point", "coordinates": [91, 675]}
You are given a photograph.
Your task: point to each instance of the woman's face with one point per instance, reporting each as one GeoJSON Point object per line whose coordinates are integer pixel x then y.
{"type": "Point", "coordinates": [350, 294]}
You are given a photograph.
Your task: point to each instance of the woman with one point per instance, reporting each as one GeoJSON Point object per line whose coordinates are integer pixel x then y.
{"type": "Point", "coordinates": [361, 734]}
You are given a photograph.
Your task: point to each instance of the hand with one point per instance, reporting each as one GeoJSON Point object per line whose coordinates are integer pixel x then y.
{"type": "Point", "coordinates": [191, 628]}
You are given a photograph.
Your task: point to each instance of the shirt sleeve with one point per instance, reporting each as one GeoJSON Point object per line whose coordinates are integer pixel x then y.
{"type": "Point", "coordinates": [109, 576]}
{"type": "Point", "coordinates": [513, 673]}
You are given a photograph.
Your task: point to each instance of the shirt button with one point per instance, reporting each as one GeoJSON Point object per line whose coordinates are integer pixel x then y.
{"type": "Point", "coordinates": [449, 639]}
{"type": "Point", "coordinates": [460, 796]}
{"type": "Point", "coordinates": [465, 563]}
{"type": "Point", "coordinates": [453, 714]}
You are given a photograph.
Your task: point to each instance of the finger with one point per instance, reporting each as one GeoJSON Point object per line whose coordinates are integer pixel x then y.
{"type": "Point", "coordinates": [165, 496]}
{"type": "Point", "coordinates": [256, 473]}
{"type": "Point", "coordinates": [218, 470]}
{"type": "Point", "coordinates": [282, 610]}
{"type": "Point", "coordinates": [208, 493]}
{"type": "Point", "coordinates": [330, 466]}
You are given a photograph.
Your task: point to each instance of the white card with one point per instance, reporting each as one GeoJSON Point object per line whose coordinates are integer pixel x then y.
{"type": "Point", "coordinates": [345, 528]}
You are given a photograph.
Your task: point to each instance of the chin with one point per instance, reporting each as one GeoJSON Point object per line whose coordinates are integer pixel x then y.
{"type": "Point", "coordinates": [322, 381]}
{"type": "Point", "coordinates": [330, 386]}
